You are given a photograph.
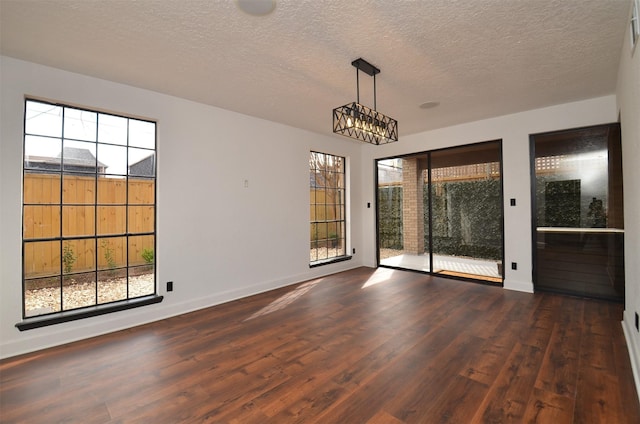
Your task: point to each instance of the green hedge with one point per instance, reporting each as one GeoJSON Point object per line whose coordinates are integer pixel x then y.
{"type": "Point", "coordinates": [467, 218]}
{"type": "Point", "coordinates": [390, 217]}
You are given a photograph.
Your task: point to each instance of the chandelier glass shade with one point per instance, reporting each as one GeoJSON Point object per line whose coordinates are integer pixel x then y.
{"type": "Point", "coordinates": [361, 122]}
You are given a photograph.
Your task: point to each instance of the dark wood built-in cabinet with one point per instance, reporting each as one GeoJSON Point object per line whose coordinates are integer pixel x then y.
{"type": "Point", "coordinates": [578, 221]}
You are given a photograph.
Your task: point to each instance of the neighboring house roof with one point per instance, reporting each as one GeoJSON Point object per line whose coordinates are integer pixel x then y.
{"type": "Point", "coordinates": [74, 158]}
{"type": "Point", "coordinates": [144, 167]}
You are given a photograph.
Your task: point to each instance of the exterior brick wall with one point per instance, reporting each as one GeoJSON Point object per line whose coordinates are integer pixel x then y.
{"type": "Point", "coordinates": [413, 206]}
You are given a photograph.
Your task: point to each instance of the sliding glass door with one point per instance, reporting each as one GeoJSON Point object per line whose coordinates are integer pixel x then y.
{"type": "Point", "coordinates": [441, 212]}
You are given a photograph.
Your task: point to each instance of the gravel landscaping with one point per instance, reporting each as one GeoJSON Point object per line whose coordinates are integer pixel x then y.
{"type": "Point", "coordinates": [80, 294]}
{"type": "Point", "coordinates": [324, 253]}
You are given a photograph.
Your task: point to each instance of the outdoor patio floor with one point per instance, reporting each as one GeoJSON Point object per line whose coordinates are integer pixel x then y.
{"type": "Point", "coordinates": [466, 267]}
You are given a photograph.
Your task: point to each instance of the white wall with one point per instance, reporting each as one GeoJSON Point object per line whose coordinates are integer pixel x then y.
{"type": "Point", "coordinates": [628, 96]}
{"type": "Point", "coordinates": [216, 239]}
{"type": "Point", "coordinates": [211, 241]}
{"type": "Point", "coordinates": [514, 130]}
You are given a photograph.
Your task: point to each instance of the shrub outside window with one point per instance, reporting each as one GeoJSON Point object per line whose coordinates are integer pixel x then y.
{"type": "Point", "coordinates": [89, 194]}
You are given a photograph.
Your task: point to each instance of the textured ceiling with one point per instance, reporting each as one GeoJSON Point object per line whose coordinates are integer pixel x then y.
{"type": "Point", "coordinates": [478, 58]}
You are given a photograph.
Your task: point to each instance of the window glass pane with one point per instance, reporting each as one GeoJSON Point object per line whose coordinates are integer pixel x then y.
{"type": "Point", "coordinates": [42, 296]}
{"type": "Point", "coordinates": [78, 290]}
{"type": "Point", "coordinates": [43, 119]}
{"type": "Point", "coordinates": [112, 159]}
{"type": "Point", "coordinates": [141, 281]}
{"type": "Point", "coordinates": [390, 216]}
{"type": "Point", "coordinates": [112, 190]}
{"type": "Point", "coordinates": [322, 231]}
{"type": "Point", "coordinates": [141, 191]}
{"type": "Point", "coordinates": [142, 134]}
{"type": "Point", "coordinates": [140, 247]}
{"type": "Point", "coordinates": [141, 219]}
{"type": "Point", "coordinates": [112, 220]}
{"type": "Point", "coordinates": [112, 285]}
{"type": "Point", "coordinates": [322, 252]}
{"type": "Point", "coordinates": [332, 180]}
{"type": "Point", "coordinates": [78, 221]}
{"type": "Point", "coordinates": [41, 188]}
{"type": "Point", "coordinates": [142, 162]}
{"type": "Point", "coordinates": [78, 255]}
{"type": "Point", "coordinates": [41, 259]}
{"type": "Point", "coordinates": [332, 231]}
{"type": "Point", "coordinates": [41, 222]}
{"type": "Point", "coordinates": [78, 189]}
{"type": "Point", "coordinates": [78, 156]}
{"type": "Point", "coordinates": [42, 153]}
{"type": "Point", "coordinates": [80, 124]}
{"type": "Point", "coordinates": [112, 129]}
{"type": "Point", "coordinates": [112, 253]}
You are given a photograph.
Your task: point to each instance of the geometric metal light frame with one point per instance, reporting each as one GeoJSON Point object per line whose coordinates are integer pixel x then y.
{"type": "Point", "coordinates": [361, 122]}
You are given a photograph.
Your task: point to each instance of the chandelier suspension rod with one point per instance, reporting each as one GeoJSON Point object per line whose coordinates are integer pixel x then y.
{"type": "Point", "coordinates": [375, 106]}
{"type": "Point", "coordinates": [358, 84]}
{"type": "Point", "coordinates": [374, 92]}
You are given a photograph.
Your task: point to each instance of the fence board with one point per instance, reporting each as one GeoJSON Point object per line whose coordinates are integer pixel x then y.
{"type": "Point", "coordinates": [78, 217]}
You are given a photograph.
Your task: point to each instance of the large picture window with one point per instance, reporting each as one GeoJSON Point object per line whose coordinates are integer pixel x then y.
{"type": "Point", "coordinates": [327, 207]}
{"type": "Point", "coordinates": [89, 185]}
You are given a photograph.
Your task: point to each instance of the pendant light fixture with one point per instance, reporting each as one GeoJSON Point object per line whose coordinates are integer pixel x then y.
{"type": "Point", "coordinates": [360, 122]}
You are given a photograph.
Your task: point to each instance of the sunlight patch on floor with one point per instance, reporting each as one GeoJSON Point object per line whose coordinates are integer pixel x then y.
{"type": "Point", "coordinates": [379, 276]}
{"type": "Point", "coordinates": [286, 300]}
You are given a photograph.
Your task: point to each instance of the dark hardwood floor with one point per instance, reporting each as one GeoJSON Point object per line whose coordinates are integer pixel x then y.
{"type": "Point", "coordinates": [363, 346]}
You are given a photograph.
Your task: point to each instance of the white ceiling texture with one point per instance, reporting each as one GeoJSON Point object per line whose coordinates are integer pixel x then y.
{"type": "Point", "coordinates": [477, 58]}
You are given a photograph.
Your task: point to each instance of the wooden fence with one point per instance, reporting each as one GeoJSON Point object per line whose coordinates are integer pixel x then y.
{"type": "Point", "coordinates": [326, 205]}
{"type": "Point", "coordinates": [79, 216]}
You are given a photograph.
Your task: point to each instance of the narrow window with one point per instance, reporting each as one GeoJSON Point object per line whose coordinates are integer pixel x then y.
{"type": "Point", "coordinates": [327, 208]}
{"type": "Point", "coordinates": [89, 208]}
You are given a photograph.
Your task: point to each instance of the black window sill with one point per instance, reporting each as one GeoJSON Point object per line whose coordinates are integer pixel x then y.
{"type": "Point", "coordinates": [58, 318]}
{"type": "Point", "coordinates": [329, 261]}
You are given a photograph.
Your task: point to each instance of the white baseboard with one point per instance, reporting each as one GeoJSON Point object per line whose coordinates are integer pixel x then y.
{"type": "Point", "coordinates": [522, 286]}
{"type": "Point", "coordinates": [45, 337]}
{"type": "Point", "coordinates": [634, 350]}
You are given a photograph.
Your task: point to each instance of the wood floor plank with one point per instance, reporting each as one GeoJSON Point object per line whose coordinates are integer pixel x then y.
{"type": "Point", "coordinates": [508, 397]}
{"type": "Point", "coordinates": [445, 405]}
{"type": "Point", "coordinates": [362, 346]}
{"type": "Point", "coordinates": [548, 407]}
{"type": "Point", "coordinates": [559, 370]}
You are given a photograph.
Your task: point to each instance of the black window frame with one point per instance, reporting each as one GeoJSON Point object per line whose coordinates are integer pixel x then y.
{"type": "Point", "coordinates": [325, 239]}
{"type": "Point", "coordinates": [100, 240]}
